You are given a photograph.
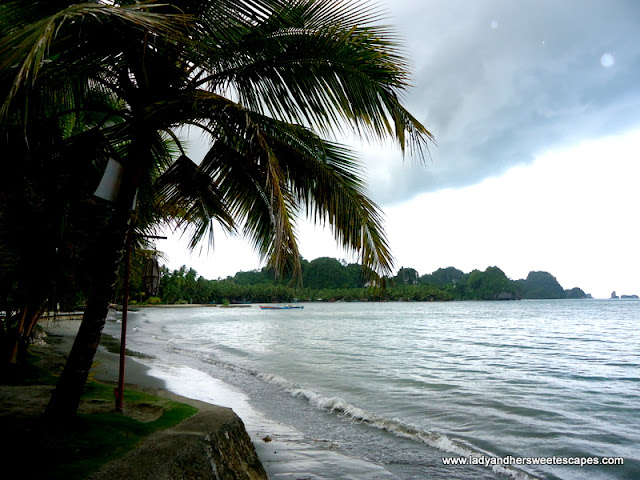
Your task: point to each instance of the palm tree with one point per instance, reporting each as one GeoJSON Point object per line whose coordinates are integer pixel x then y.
{"type": "Point", "coordinates": [264, 79]}
{"type": "Point", "coordinates": [45, 219]}
{"type": "Point", "coordinates": [42, 216]}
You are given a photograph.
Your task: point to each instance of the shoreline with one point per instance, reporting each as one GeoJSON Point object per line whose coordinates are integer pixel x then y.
{"type": "Point", "coordinates": [284, 452]}
{"type": "Point", "coordinates": [159, 434]}
{"type": "Point", "coordinates": [211, 441]}
{"type": "Point", "coordinates": [105, 364]}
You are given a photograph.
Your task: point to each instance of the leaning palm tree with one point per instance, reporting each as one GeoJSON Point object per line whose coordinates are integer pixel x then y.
{"type": "Point", "coordinates": [265, 80]}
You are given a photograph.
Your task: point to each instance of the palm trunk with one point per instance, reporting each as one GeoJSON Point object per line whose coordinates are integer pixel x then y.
{"type": "Point", "coordinates": [66, 396]}
{"type": "Point", "coordinates": [35, 318]}
{"type": "Point", "coordinates": [15, 342]}
{"type": "Point", "coordinates": [31, 315]}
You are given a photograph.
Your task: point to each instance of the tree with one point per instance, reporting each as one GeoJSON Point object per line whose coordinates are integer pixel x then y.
{"type": "Point", "coordinates": [325, 272]}
{"type": "Point", "coordinates": [492, 284]}
{"type": "Point", "coordinates": [355, 274]}
{"type": "Point", "coordinates": [45, 220]}
{"type": "Point", "coordinates": [254, 277]}
{"type": "Point", "coordinates": [406, 276]}
{"type": "Point", "coordinates": [260, 78]}
{"type": "Point", "coordinates": [445, 276]}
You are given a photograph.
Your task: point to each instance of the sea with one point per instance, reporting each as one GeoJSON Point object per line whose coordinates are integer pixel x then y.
{"type": "Point", "coordinates": [531, 389]}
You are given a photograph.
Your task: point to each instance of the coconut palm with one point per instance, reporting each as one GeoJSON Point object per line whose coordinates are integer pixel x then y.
{"type": "Point", "coordinates": [45, 220]}
{"type": "Point", "coordinates": [265, 80]}
{"type": "Point", "coordinates": [40, 210]}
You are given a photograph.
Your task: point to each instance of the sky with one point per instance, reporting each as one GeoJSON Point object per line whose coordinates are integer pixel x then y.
{"type": "Point", "coordinates": [535, 108]}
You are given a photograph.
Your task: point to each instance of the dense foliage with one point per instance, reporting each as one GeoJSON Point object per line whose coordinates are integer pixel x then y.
{"type": "Point", "coordinates": [329, 279]}
{"type": "Point", "coordinates": [541, 285]}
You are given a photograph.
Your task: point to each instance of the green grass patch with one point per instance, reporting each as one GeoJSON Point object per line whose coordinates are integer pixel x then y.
{"type": "Point", "coordinates": [41, 449]}
{"type": "Point", "coordinates": [78, 448]}
{"type": "Point", "coordinates": [28, 373]}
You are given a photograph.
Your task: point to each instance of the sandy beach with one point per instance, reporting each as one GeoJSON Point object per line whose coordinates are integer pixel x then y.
{"type": "Point", "coordinates": [52, 355]}
{"type": "Point", "coordinates": [211, 442]}
{"type": "Point", "coordinates": [106, 364]}
{"type": "Point", "coordinates": [283, 451]}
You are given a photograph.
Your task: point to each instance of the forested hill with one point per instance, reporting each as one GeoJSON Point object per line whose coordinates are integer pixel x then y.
{"type": "Point", "coordinates": [329, 279]}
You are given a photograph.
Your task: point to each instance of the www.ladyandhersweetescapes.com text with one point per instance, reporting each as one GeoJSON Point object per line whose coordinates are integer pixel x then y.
{"type": "Point", "coordinates": [523, 461]}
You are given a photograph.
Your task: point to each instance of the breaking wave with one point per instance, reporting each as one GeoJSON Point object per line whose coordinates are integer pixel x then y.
{"type": "Point", "coordinates": [342, 408]}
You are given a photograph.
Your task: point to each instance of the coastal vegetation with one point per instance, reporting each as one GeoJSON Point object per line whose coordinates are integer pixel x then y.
{"type": "Point", "coordinates": [74, 450]}
{"type": "Point", "coordinates": [329, 279]}
{"type": "Point", "coordinates": [96, 99]}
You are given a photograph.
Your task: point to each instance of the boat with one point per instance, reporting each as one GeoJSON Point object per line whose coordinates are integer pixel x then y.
{"type": "Point", "coordinates": [280, 307]}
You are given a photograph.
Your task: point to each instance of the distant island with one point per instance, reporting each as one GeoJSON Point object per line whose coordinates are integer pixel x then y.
{"type": "Point", "coordinates": [330, 279]}
{"type": "Point", "coordinates": [614, 296]}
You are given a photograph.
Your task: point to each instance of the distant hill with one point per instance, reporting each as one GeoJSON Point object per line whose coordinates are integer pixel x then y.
{"type": "Point", "coordinates": [330, 279]}
{"type": "Point", "coordinates": [543, 285]}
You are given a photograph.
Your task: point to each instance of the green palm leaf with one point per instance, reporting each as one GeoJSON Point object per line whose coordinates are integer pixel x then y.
{"type": "Point", "coordinates": [82, 39]}
{"type": "Point", "coordinates": [309, 64]}
{"type": "Point", "coordinates": [259, 77]}
{"type": "Point", "coordinates": [185, 195]}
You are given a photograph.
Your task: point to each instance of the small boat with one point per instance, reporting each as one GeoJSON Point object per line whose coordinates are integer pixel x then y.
{"type": "Point", "coordinates": [280, 307]}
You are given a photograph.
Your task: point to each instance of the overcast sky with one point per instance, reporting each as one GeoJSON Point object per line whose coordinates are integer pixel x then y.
{"type": "Point", "coordinates": [535, 106]}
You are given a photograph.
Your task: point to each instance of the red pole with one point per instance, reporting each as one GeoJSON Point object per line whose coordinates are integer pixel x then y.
{"type": "Point", "coordinates": [119, 392]}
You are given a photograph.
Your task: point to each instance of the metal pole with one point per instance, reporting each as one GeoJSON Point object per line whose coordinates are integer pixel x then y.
{"type": "Point", "coordinates": [119, 392]}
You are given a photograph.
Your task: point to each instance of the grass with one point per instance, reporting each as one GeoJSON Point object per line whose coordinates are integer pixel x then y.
{"type": "Point", "coordinates": [28, 373]}
{"type": "Point", "coordinates": [38, 448]}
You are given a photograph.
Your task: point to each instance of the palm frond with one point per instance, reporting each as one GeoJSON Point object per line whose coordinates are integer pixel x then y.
{"type": "Point", "coordinates": [269, 171]}
{"type": "Point", "coordinates": [186, 195]}
{"type": "Point", "coordinates": [311, 64]}
{"type": "Point", "coordinates": [327, 180]}
{"type": "Point", "coordinates": [49, 49]}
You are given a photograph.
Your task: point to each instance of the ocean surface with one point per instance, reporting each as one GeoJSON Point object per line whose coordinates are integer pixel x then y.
{"type": "Point", "coordinates": [402, 385]}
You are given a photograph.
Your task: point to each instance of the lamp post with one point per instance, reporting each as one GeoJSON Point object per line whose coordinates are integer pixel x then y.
{"type": "Point", "coordinates": [108, 189]}
{"type": "Point", "coordinates": [119, 391]}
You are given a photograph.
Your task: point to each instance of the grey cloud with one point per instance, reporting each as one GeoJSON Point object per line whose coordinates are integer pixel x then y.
{"type": "Point", "coordinates": [500, 81]}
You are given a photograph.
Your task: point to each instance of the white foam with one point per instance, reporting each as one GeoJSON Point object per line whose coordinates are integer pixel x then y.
{"type": "Point", "coordinates": [288, 455]}
{"type": "Point", "coordinates": [238, 401]}
{"type": "Point", "coordinates": [341, 407]}
{"type": "Point", "coordinates": [197, 385]}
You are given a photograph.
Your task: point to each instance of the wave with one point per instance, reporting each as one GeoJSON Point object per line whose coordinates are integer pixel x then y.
{"type": "Point", "coordinates": [342, 408]}
{"type": "Point", "coordinates": [396, 427]}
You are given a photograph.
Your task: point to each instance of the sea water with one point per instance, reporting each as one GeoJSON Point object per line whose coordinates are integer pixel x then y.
{"type": "Point", "coordinates": [389, 390]}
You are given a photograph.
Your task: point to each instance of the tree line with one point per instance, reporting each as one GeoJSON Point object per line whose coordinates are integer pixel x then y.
{"type": "Point", "coordinates": [329, 279]}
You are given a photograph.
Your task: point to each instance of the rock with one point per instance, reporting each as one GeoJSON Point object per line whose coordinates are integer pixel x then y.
{"type": "Point", "coordinates": [38, 336]}
{"type": "Point", "coordinates": [505, 296]}
{"type": "Point", "coordinates": [213, 444]}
